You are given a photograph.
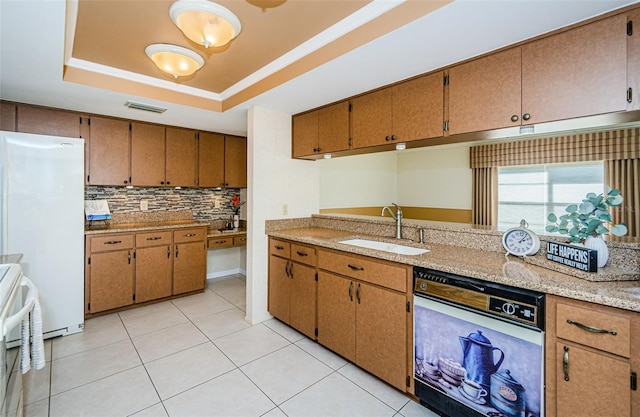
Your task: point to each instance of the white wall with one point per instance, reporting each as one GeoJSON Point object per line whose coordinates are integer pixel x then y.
{"type": "Point", "coordinates": [436, 176]}
{"type": "Point", "coordinates": [274, 179]}
{"type": "Point", "coordinates": [358, 181]}
{"type": "Point", "coordinates": [227, 261]}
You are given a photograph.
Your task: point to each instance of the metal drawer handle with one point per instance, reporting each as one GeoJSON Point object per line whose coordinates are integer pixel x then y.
{"type": "Point", "coordinates": [190, 235]}
{"type": "Point", "coordinates": [301, 253]}
{"type": "Point", "coordinates": [592, 329]}
{"type": "Point", "coordinates": [565, 363]}
{"type": "Point", "coordinates": [280, 247]}
{"type": "Point", "coordinates": [358, 293]}
{"type": "Point", "coordinates": [154, 238]}
{"type": "Point", "coordinates": [113, 242]}
{"type": "Point", "coordinates": [351, 291]}
{"type": "Point", "coordinates": [355, 268]}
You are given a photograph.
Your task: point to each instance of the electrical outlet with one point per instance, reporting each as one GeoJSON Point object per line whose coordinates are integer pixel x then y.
{"type": "Point", "coordinates": [216, 203]}
{"type": "Point", "coordinates": [144, 205]}
{"type": "Point", "coordinates": [285, 209]}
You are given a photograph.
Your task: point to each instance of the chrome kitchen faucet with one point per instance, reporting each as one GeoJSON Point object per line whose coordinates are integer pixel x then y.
{"type": "Point", "coordinates": [397, 218]}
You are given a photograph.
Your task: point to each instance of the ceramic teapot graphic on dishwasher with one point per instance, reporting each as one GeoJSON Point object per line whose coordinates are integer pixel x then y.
{"type": "Point", "coordinates": [478, 358]}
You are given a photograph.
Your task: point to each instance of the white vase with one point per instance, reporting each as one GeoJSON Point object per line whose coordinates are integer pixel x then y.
{"type": "Point", "coordinates": [236, 221]}
{"type": "Point", "coordinates": [597, 243]}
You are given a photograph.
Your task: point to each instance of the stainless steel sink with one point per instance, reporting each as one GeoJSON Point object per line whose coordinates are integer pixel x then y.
{"type": "Point", "coordinates": [384, 246]}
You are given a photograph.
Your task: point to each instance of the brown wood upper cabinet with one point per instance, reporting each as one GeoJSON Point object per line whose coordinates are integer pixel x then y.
{"type": "Point", "coordinates": [485, 93]}
{"type": "Point", "coordinates": [235, 162]}
{"type": "Point", "coordinates": [580, 72]}
{"type": "Point", "coordinates": [551, 79]}
{"type": "Point", "coordinates": [633, 60]}
{"type": "Point", "coordinates": [323, 131]}
{"type": "Point", "coordinates": [181, 154]}
{"type": "Point", "coordinates": [210, 159]}
{"type": "Point", "coordinates": [147, 154]}
{"type": "Point", "coordinates": [45, 121]}
{"type": "Point", "coordinates": [222, 160]}
{"type": "Point", "coordinates": [109, 152]}
{"type": "Point", "coordinates": [407, 111]}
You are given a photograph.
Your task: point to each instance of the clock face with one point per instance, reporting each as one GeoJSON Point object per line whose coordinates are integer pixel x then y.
{"type": "Point", "coordinates": [520, 242]}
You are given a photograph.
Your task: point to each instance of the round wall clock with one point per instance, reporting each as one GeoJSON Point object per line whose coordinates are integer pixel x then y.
{"type": "Point", "coordinates": [520, 241]}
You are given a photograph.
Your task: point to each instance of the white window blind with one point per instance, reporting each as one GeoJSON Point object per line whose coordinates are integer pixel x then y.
{"type": "Point", "coordinates": [531, 192]}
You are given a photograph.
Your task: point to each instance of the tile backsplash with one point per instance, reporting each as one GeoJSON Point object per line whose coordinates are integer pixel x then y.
{"type": "Point", "coordinates": [200, 201]}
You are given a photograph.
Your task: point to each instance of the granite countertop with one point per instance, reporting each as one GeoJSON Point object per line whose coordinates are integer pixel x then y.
{"type": "Point", "coordinates": [215, 232]}
{"type": "Point", "coordinates": [482, 264]}
{"type": "Point", "coordinates": [141, 226]}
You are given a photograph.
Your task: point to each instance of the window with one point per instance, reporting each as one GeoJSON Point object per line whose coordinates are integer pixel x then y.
{"type": "Point", "coordinates": [531, 192]}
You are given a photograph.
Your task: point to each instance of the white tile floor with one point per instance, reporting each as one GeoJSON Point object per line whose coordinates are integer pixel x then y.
{"type": "Point", "coordinates": [196, 356]}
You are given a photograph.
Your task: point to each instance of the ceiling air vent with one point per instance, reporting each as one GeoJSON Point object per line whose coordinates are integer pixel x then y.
{"type": "Point", "coordinates": [145, 107]}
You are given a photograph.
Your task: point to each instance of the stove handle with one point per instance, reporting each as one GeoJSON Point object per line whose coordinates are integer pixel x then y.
{"type": "Point", "coordinates": [470, 285]}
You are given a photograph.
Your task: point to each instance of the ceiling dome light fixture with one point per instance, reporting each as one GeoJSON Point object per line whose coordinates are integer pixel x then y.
{"type": "Point", "coordinates": [205, 22]}
{"type": "Point", "coordinates": [175, 60]}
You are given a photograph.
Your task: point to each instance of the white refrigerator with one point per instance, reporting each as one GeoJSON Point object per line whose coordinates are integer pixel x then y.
{"type": "Point", "coordinates": [42, 217]}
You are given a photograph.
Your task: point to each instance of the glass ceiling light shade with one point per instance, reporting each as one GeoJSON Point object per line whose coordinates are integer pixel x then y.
{"type": "Point", "coordinates": [205, 22]}
{"type": "Point", "coordinates": [175, 60]}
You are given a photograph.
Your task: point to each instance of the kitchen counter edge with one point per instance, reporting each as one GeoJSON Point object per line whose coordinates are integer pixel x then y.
{"type": "Point", "coordinates": [486, 265]}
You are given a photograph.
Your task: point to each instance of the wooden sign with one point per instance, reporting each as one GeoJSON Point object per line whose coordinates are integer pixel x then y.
{"type": "Point", "coordinates": [573, 256]}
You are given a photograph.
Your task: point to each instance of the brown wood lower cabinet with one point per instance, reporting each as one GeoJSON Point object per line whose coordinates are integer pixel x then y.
{"type": "Point", "coordinates": [361, 318]}
{"type": "Point", "coordinates": [292, 285]}
{"type": "Point", "coordinates": [189, 260]}
{"type": "Point", "coordinates": [590, 370]}
{"type": "Point", "coordinates": [111, 280]}
{"type": "Point", "coordinates": [366, 324]}
{"type": "Point", "coordinates": [123, 269]}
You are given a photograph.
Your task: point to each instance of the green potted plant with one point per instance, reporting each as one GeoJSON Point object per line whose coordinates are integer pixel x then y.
{"type": "Point", "coordinates": [587, 222]}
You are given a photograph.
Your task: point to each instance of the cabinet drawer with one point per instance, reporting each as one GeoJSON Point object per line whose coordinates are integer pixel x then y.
{"type": "Point", "coordinates": [219, 242]}
{"type": "Point", "coordinates": [279, 248]}
{"type": "Point", "coordinates": [152, 239]}
{"type": "Point", "coordinates": [618, 344]}
{"type": "Point", "coordinates": [189, 235]}
{"type": "Point", "coordinates": [111, 242]}
{"type": "Point", "coordinates": [365, 269]}
{"type": "Point", "coordinates": [239, 240]}
{"type": "Point", "coordinates": [303, 254]}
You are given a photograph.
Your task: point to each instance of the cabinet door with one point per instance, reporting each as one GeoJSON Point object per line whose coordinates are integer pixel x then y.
{"type": "Point", "coordinates": [8, 117]}
{"type": "Point", "coordinates": [189, 267]}
{"type": "Point", "coordinates": [279, 288]}
{"type": "Point", "coordinates": [337, 314]}
{"type": "Point", "coordinates": [303, 299]}
{"type": "Point", "coordinates": [371, 116]}
{"type": "Point", "coordinates": [418, 108]}
{"type": "Point", "coordinates": [381, 333]}
{"type": "Point", "coordinates": [580, 72]}
{"type": "Point", "coordinates": [153, 273]}
{"type": "Point", "coordinates": [485, 93]}
{"type": "Point", "coordinates": [52, 122]}
{"type": "Point", "coordinates": [598, 384]}
{"type": "Point", "coordinates": [147, 154]}
{"type": "Point", "coordinates": [110, 153]}
{"type": "Point", "coordinates": [180, 157]}
{"type": "Point", "coordinates": [305, 134]}
{"type": "Point", "coordinates": [210, 159]}
{"type": "Point", "coordinates": [111, 280]}
{"type": "Point", "coordinates": [235, 162]}
{"type": "Point", "coordinates": [633, 60]}
{"type": "Point", "coordinates": [333, 128]}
